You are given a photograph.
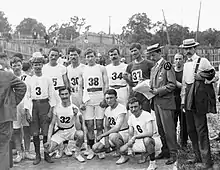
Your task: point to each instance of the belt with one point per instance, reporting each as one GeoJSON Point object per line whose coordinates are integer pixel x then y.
{"type": "Point", "coordinates": [118, 86]}
{"type": "Point", "coordinates": [41, 100]}
{"type": "Point", "coordinates": [124, 129]}
{"type": "Point", "coordinates": [60, 128]}
{"type": "Point", "coordinates": [57, 88]}
{"type": "Point", "coordinates": [94, 89]}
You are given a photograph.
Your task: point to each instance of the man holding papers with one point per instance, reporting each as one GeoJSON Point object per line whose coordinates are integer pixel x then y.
{"type": "Point", "coordinates": [163, 83]}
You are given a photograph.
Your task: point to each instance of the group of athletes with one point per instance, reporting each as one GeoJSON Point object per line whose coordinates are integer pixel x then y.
{"type": "Point", "coordinates": [91, 104]}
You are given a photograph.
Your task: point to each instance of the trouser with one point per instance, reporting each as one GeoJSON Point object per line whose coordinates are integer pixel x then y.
{"type": "Point", "coordinates": [198, 133]}
{"type": "Point", "coordinates": [166, 129]}
{"type": "Point", "coordinates": [183, 128]}
{"type": "Point", "coordinates": [6, 130]}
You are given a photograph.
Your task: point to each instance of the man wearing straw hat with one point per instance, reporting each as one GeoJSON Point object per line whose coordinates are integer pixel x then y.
{"type": "Point", "coordinates": [163, 83]}
{"type": "Point", "coordinates": [198, 98]}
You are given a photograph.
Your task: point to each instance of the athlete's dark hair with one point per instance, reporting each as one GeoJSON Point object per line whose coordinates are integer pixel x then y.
{"type": "Point", "coordinates": [73, 49]}
{"type": "Point", "coordinates": [111, 91]}
{"type": "Point", "coordinates": [88, 51]}
{"type": "Point", "coordinates": [26, 65]}
{"type": "Point", "coordinates": [54, 49]}
{"type": "Point", "coordinates": [19, 55]}
{"type": "Point", "coordinates": [64, 88]}
{"type": "Point", "coordinates": [113, 49]}
{"type": "Point", "coordinates": [133, 100]}
{"type": "Point", "coordinates": [15, 60]}
{"type": "Point", "coordinates": [135, 45]}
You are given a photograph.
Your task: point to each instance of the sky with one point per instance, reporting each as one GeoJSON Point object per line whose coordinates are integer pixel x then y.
{"type": "Point", "coordinates": [98, 12]}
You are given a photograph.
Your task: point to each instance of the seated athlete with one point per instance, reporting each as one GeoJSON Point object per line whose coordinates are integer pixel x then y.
{"type": "Point", "coordinates": [66, 115]}
{"type": "Point", "coordinates": [116, 127]}
{"type": "Point", "coordinates": [141, 130]}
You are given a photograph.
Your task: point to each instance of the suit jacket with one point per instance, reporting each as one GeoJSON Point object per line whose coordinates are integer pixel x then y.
{"type": "Point", "coordinates": [163, 79]}
{"type": "Point", "coordinates": [12, 91]}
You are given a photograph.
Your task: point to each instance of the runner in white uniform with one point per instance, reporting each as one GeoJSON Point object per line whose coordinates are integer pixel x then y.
{"type": "Point", "coordinates": [115, 72]}
{"type": "Point", "coordinates": [16, 64]}
{"type": "Point", "coordinates": [39, 105]}
{"type": "Point", "coordinates": [116, 126]}
{"type": "Point", "coordinates": [57, 73]}
{"type": "Point", "coordinates": [141, 131]}
{"type": "Point", "coordinates": [73, 72]}
{"type": "Point", "coordinates": [66, 115]}
{"type": "Point", "coordinates": [95, 82]}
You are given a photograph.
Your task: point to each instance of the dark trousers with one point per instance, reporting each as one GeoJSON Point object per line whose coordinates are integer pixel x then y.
{"type": "Point", "coordinates": [166, 129]}
{"type": "Point", "coordinates": [198, 132]}
{"type": "Point", "coordinates": [183, 127]}
{"type": "Point", "coordinates": [6, 130]}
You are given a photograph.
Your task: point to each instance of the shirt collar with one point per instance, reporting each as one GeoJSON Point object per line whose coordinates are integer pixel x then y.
{"type": "Point", "coordinates": [194, 57]}
{"type": "Point", "coordinates": [158, 62]}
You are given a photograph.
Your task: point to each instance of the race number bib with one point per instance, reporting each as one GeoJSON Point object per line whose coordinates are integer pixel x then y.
{"type": "Point", "coordinates": [116, 76]}
{"type": "Point", "coordinates": [93, 82]}
{"type": "Point", "coordinates": [54, 82]}
{"type": "Point", "coordinates": [137, 75]}
{"type": "Point", "coordinates": [74, 84]}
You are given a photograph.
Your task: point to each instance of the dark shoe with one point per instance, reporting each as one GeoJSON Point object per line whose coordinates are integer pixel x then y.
{"type": "Point", "coordinates": [204, 166]}
{"type": "Point", "coordinates": [47, 158]}
{"type": "Point", "coordinates": [37, 160]}
{"type": "Point", "coordinates": [184, 148]}
{"type": "Point", "coordinates": [143, 158]}
{"type": "Point", "coordinates": [162, 155]}
{"type": "Point", "coordinates": [171, 160]}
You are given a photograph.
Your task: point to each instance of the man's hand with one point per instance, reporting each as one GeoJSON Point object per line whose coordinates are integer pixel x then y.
{"type": "Point", "coordinates": [103, 104]}
{"type": "Point", "coordinates": [125, 76]}
{"type": "Point", "coordinates": [50, 115]}
{"type": "Point", "coordinates": [198, 77]}
{"type": "Point", "coordinates": [98, 138]}
{"type": "Point", "coordinates": [82, 107]}
{"type": "Point", "coordinates": [183, 108]}
{"type": "Point", "coordinates": [154, 91]}
{"type": "Point", "coordinates": [28, 115]}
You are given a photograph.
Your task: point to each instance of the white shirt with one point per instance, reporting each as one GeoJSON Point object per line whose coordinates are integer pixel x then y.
{"type": "Point", "coordinates": [55, 73]}
{"type": "Point", "coordinates": [65, 115]}
{"type": "Point", "coordinates": [140, 124]}
{"type": "Point", "coordinates": [73, 76]}
{"type": "Point", "coordinates": [115, 74]}
{"type": "Point", "coordinates": [39, 88]}
{"type": "Point", "coordinates": [189, 69]}
{"type": "Point", "coordinates": [113, 115]}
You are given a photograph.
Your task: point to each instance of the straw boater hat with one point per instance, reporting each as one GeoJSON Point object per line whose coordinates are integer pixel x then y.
{"type": "Point", "coordinates": [153, 48]}
{"type": "Point", "coordinates": [188, 43]}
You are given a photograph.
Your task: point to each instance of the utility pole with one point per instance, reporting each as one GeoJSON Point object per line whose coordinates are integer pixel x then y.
{"type": "Point", "coordinates": [109, 29]}
{"type": "Point", "coordinates": [197, 31]}
{"type": "Point", "coordinates": [165, 22]}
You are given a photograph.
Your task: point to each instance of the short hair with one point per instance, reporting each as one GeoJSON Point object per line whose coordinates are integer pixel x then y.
{"type": "Point", "coordinates": [60, 89]}
{"type": "Point", "coordinates": [19, 55]}
{"type": "Point", "coordinates": [15, 60]}
{"type": "Point", "coordinates": [88, 51]}
{"type": "Point", "coordinates": [26, 65]}
{"type": "Point", "coordinates": [178, 54]}
{"type": "Point", "coordinates": [135, 45]}
{"type": "Point", "coordinates": [113, 49]}
{"type": "Point", "coordinates": [73, 49]}
{"type": "Point", "coordinates": [54, 49]}
{"type": "Point", "coordinates": [111, 91]}
{"type": "Point", "coordinates": [37, 60]}
{"type": "Point", "coordinates": [133, 100]}
{"type": "Point", "coordinates": [3, 55]}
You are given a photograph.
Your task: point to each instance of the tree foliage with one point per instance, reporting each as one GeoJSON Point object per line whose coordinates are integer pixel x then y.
{"type": "Point", "coordinates": [5, 27]}
{"type": "Point", "coordinates": [29, 25]}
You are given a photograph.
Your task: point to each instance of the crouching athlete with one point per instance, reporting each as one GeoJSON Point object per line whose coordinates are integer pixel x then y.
{"type": "Point", "coordinates": [67, 117]}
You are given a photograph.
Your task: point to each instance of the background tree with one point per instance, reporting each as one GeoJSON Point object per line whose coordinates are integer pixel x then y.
{"type": "Point", "coordinates": [28, 25]}
{"type": "Point", "coordinates": [5, 27]}
{"type": "Point", "coordinates": [138, 29]}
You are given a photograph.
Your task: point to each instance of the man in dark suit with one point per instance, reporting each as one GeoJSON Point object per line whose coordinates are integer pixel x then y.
{"type": "Point", "coordinates": [12, 91]}
{"type": "Point", "coordinates": [163, 83]}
